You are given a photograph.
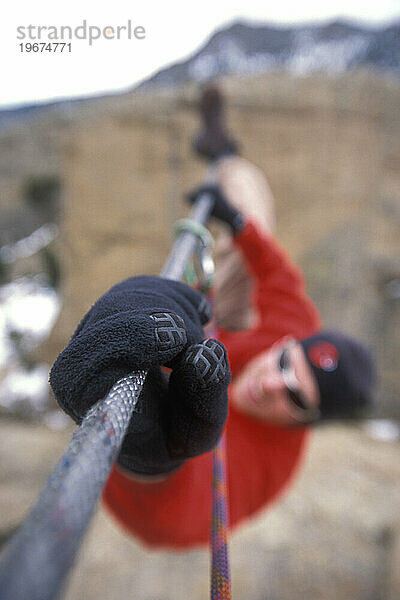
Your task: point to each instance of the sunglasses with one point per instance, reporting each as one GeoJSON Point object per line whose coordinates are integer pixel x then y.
{"type": "Point", "coordinates": [302, 409]}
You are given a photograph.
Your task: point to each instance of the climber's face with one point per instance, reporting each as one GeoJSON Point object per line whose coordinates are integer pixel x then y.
{"type": "Point", "coordinates": [278, 386]}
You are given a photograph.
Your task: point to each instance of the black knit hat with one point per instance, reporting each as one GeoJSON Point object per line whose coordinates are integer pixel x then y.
{"type": "Point", "coordinates": [345, 373]}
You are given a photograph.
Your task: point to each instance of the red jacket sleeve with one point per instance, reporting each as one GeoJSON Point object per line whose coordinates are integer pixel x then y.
{"type": "Point", "coordinates": [279, 298]}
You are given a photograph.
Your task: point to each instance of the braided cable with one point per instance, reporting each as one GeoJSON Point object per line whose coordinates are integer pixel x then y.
{"type": "Point", "coordinates": [42, 551]}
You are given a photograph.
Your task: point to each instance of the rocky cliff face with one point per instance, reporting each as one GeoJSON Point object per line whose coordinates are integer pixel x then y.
{"type": "Point", "coordinates": [329, 147]}
{"type": "Point", "coordinates": [330, 150]}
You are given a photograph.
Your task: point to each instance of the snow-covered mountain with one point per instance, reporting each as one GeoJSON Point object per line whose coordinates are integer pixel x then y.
{"type": "Point", "coordinates": [249, 49]}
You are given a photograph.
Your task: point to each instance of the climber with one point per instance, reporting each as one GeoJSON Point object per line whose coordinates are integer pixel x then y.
{"type": "Point", "coordinates": [287, 371]}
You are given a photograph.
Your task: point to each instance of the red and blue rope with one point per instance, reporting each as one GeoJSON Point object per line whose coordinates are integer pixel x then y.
{"type": "Point", "coordinates": [220, 572]}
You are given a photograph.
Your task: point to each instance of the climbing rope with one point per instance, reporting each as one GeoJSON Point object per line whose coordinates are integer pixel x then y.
{"type": "Point", "coordinates": [40, 554]}
{"type": "Point", "coordinates": [220, 571]}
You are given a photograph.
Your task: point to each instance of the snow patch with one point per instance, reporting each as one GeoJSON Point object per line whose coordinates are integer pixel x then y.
{"type": "Point", "coordinates": [23, 386]}
{"type": "Point", "coordinates": [336, 56]}
{"type": "Point", "coordinates": [383, 430]}
{"type": "Point", "coordinates": [29, 309]}
{"type": "Point", "coordinates": [28, 246]}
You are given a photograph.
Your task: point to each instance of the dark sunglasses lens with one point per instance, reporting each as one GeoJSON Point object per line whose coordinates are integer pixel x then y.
{"type": "Point", "coordinates": [294, 396]}
{"type": "Point", "coordinates": [283, 361]}
{"type": "Point", "coordinates": [297, 400]}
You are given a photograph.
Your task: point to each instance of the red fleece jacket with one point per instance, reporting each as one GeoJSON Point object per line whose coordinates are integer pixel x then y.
{"type": "Point", "coordinates": [261, 457]}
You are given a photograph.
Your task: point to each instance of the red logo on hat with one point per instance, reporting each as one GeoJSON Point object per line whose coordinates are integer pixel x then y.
{"type": "Point", "coordinates": [324, 355]}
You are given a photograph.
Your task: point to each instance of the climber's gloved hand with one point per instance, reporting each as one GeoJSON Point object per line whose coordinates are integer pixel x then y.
{"type": "Point", "coordinates": [142, 323]}
{"type": "Point", "coordinates": [222, 210]}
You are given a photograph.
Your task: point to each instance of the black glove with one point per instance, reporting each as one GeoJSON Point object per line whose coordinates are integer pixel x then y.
{"type": "Point", "coordinates": [222, 209]}
{"type": "Point", "coordinates": [142, 323]}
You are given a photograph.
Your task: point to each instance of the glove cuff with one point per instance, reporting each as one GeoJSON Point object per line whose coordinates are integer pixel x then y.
{"type": "Point", "coordinates": [130, 464]}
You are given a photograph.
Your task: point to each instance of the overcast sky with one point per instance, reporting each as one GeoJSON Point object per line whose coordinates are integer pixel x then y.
{"type": "Point", "coordinates": [174, 29]}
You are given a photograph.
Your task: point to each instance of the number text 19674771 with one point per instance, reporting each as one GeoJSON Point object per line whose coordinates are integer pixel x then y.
{"type": "Point", "coordinates": [45, 47]}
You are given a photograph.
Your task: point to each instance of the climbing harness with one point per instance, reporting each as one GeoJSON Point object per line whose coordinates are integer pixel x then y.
{"type": "Point", "coordinates": [38, 557]}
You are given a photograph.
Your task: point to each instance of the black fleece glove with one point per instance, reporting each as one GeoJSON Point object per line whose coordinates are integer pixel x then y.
{"type": "Point", "coordinates": [222, 209]}
{"type": "Point", "coordinates": [142, 323]}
